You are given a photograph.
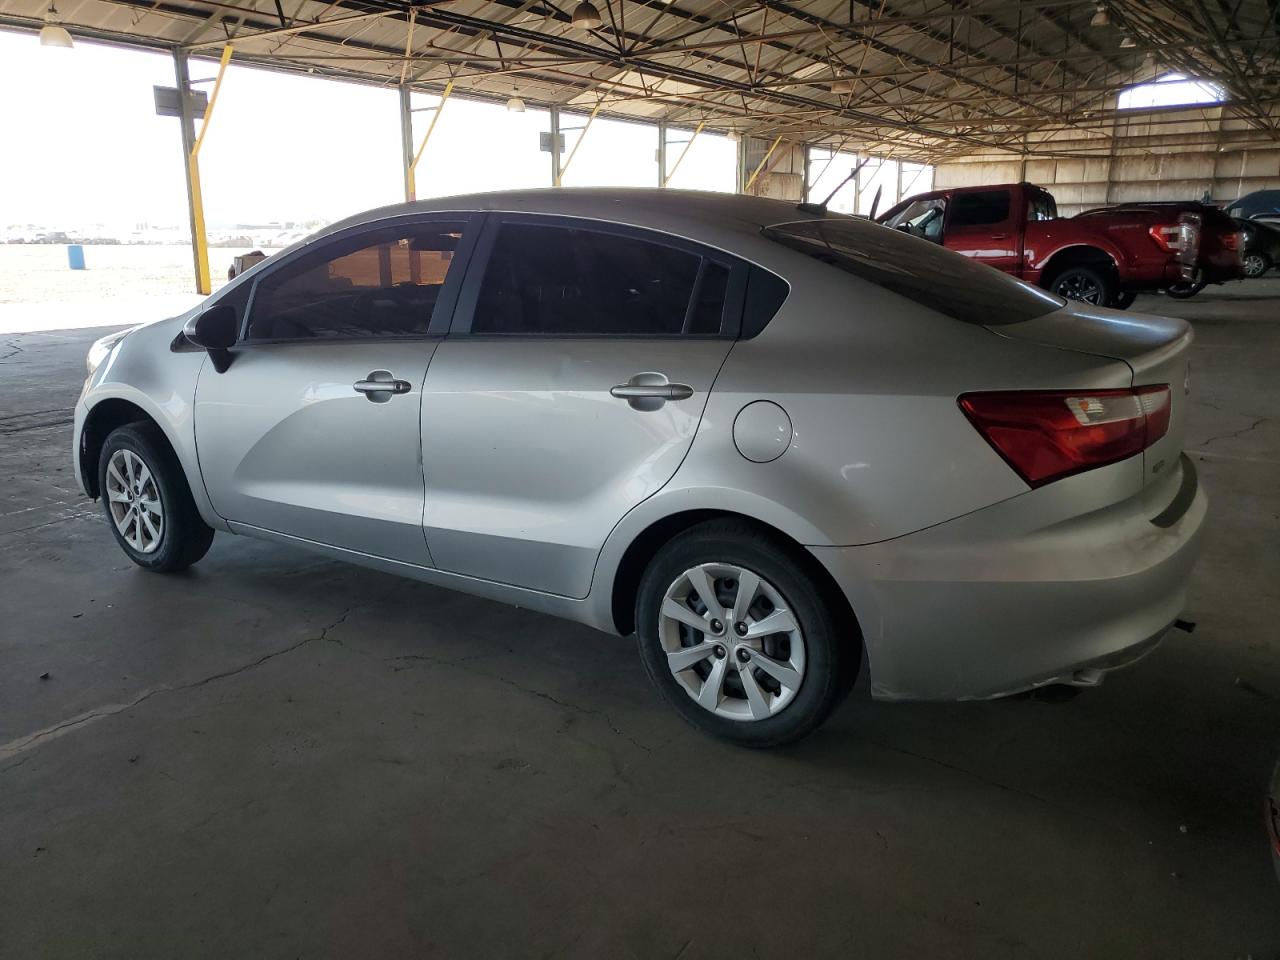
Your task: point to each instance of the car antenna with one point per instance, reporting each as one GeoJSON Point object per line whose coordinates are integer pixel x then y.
{"type": "Point", "coordinates": [822, 207]}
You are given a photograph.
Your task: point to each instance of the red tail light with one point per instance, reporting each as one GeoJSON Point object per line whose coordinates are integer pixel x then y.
{"type": "Point", "coordinates": [1047, 435]}
{"type": "Point", "coordinates": [1231, 240]}
{"type": "Point", "coordinates": [1167, 236]}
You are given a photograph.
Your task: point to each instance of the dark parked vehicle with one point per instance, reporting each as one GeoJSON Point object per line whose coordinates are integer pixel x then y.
{"type": "Point", "coordinates": [1258, 203]}
{"type": "Point", "coordinates": [1261, 246]}
{"type": "Point", "coordinates": [1102, 257]}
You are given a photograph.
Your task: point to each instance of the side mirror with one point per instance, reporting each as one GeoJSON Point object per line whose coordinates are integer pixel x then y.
{"type": "Point", "coordinates": [215, 330]}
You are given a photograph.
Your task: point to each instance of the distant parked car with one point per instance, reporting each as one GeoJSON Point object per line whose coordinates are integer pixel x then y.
{"type": "Point", "coordinates": [1261, 246]}
{"type": "Point", "coordinates": [768, 442]}
{"type": "Point", "coordinates": [1258, 203]}
{"type": "Point", "coordinates": [243, 261]}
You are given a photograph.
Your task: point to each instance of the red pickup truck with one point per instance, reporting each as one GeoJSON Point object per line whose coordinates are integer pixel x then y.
{"type": "Point", "coordinates": [1103, 256]}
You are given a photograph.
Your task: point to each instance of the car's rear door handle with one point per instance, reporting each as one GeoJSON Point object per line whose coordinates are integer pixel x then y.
{"type": "Point", "coordinates": [666, 391]}
{"type": "Point", "coordinates": [650, 391]}
{"type": "Point", "coordinates": [381, 385]}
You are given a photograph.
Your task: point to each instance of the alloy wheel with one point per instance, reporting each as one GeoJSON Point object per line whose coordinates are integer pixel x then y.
{"type": "Point", "coordinates": [1255, 265]}
{"type": "Point", "coordinates": [1077, 286]}
{"type": "Point", "coordinates": [732, 642]}
{"type": "Point", "coordinates": [134, 500]}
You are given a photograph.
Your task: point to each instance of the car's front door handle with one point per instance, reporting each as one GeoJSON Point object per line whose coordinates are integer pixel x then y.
{"type": "Point", "coordinates": [381, 385]}
{"type": "Point", "coordinates": [665, 391]}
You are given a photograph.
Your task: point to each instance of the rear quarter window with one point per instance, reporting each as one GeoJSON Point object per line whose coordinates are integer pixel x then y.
{"type": "Point", "coordinates": [918, 270]}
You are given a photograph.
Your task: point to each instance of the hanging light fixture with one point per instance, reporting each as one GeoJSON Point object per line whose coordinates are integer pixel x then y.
{"type": "Point", "coordinates": [734, 135]}
{"type": "Point", "coordinates": [52, 34]}
{"type": "Point", "coordinates": [515, 104]}
{"type": "Point", "coordinates": [1149, 61]}
{"type": "Point", "coordinates": [1100, 17]}
{"type": "Point", "coordinates": [586, 16]}
{"type": "Point", "coordinates": [1127, 42]}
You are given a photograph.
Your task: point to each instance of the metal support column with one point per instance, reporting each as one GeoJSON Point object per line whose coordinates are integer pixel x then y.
{"type": "Point", "coordinates": [804, 186]}
{"type": "Point", "coordinates": [662, 153]}
{"type": "Point", "coordinates": [761, 165]}
{"type": "Point", "coordinates": [554, 114]}
{"type": "Point", "coordinates": [406, 137]}
{"type": "Point", "coordinates": [188, 124]}
{"type": "Point", "coordinates": [668, 174]}
{"type": "Point", "coordinates": [199, 240]}
{"type": "Point", "coordinates": [742, 164]}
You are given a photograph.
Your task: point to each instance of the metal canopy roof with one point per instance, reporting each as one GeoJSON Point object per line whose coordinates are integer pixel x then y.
{"type": "Point", "coordinates": [919, 79]}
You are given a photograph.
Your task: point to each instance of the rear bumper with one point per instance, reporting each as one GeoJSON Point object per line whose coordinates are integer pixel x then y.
{"type": "Point", "coordinates": [998, 602]}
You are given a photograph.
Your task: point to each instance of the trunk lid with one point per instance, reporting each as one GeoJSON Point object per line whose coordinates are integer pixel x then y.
{"type": "Point", "coordinates": [1156, 349]}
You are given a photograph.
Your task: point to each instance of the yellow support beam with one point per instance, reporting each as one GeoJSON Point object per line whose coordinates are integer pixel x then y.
{"type": "Point", "coordinates": [204, 285]}
{"type": "Point", "coordinates": [760, 166]}
{"type": "Point", "coordinates": [666, 179]}
{"type": "Point", "coordinates": [576, 144]}
{"type": "Point", "coordinates": [413, 166]}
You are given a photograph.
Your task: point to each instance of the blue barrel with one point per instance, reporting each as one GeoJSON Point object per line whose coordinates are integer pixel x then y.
{"type": "Point", "coordinates": [75, 256]}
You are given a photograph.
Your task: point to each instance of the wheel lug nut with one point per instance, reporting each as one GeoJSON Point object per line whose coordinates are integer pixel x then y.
{"type": "Point", "coordinates": [740, 628]}
{"type": "Point", "coordinates": [717, 626]}
{"type": "Point", "coordinates": [743, 654]}
{"type": "Point", "coordinates": [719, 652]}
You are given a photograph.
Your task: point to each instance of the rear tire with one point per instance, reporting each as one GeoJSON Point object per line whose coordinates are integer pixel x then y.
{"type": "Point", "coordinates": [147, 501]}
{"type": "Point", "coordinates": [731, 675]}
{"type": "Point", "coordinates": [1184, 290]}
{"type": "Point", "coordinates": [1085, 285]}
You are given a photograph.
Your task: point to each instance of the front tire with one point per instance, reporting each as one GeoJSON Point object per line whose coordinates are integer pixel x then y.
{"type": "Point", "coordinates": [1256, 264]}
{"type": "Point", "coordinates": [147, 501]}
{"type": "Point", "coordinates": [738, 637]}
{"type": "Point", "coordinates": [1123, 300]}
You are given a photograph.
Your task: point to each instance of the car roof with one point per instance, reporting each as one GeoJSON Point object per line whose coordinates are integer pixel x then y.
{"type": "Point", "coordinates": [647, 207]}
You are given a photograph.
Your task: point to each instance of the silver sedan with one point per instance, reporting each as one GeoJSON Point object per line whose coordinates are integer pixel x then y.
{"type": "Point", "coordinates": [778, 445]}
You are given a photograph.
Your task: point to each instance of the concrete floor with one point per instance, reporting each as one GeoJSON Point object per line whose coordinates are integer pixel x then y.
{"type": "Point", "coordinates": [279, 756]}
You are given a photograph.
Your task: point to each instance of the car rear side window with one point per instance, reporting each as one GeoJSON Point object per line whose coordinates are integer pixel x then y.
{"type": "Point", "coordinates": [560, 280]}
{"type": "Point", "coordinates": [979, 209]}
{"type": "Point", "coordinates": [383, 283]}
{"type": "Point", "coordinates": [1041, 206]}
{"type": "Point", "coordinates": [921, 271]}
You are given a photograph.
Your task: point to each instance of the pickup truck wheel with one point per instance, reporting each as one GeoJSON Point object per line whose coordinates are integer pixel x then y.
{"type": "Point", "coordinates": [1256, 264]}
{"type": "Point", "coordinates": [1123, 300]}
{"type": "Point", "coordinates": [1085, 284]}
{"type": "Point", "coordinates": [1184, 291]}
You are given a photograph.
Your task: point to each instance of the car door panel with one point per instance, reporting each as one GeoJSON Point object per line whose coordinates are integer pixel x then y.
{"type": "Point", "coordinates": [313, 431]}
{"type": "Point", "coordinates": [287, 444]}
{"type": "Point", "coordinates": [986, 226]}
{"type": "Point", "coordinates": [534, 443]}
{"type": "Point", "coordinates": [529, 459]}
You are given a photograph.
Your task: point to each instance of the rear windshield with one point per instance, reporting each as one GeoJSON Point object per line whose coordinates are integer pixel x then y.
{"type": "Point", "coordinates": [917, 269]}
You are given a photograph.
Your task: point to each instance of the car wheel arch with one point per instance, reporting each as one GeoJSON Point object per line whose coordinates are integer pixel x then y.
{"type": "Point", "coordinates": [645, 545]}
{"type": "Point", "coordinates": [102, 418]}
{"type": "Point", "coordinates": [1077, 255]}
{"type": "Point", "coordinates": [105, 416]}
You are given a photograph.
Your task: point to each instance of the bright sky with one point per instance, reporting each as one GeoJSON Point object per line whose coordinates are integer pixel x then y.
{"type": "Point", "coordinates": [280, 147]}
{"type": "Point", "coordinates": [1173, 89]}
